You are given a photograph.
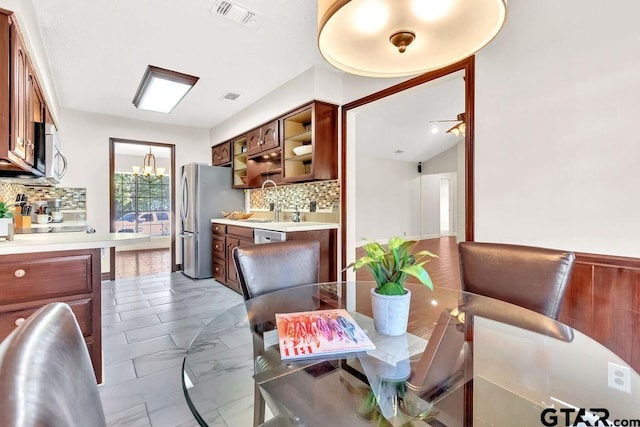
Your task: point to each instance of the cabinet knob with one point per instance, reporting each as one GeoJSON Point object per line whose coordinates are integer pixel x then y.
{"type": "Point", "coordinates": [19, 273]}
{"type": "Point", "coordinates": [19, 321]}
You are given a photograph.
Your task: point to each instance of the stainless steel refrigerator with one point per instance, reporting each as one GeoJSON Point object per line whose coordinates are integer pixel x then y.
{"type": "Point", "coordinates": [205, 191]}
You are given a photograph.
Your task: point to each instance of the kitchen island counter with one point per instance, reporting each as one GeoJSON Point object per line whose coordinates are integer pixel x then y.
{"type": "Point", "coordinates": [49, 242]}
{"type": "Point", "coordinates": [284, 226]}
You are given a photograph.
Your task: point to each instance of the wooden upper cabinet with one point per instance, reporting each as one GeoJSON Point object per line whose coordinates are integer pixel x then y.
{"type": "Point", "coordinates": [22, 101]}
{"type": "Point", "coordinates": [310, 143]}
{"type": "Point", "coordinates": [264, 138]}
{"type": "Point", "coordinates": [270, 137]}
{"type": "Point", "coordinates": [221, 154]}
{"type": "Point", "coordinates": [254, 141]}
{"type": "Point", "coordinates": [273, 150]}
{"type": "Point", "coordinates": [19, 96]}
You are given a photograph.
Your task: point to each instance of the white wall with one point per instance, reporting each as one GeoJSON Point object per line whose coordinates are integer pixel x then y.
{"type": "Point", "coordinates": [557, 143]}
{"type": "Point", "coordinates": [461, 193]}
{"type": "Point", "coordinates": [387, 198]}
{"type": "Point", "coordinates": [452, 160]}
{"type": "Point", "coordinates": [85, 142]}
{"type": "Point", "coordinates": [447, 161]}
{"type": "Point", "coordinates": [430, 204]}
{"type": "Point", "coordinates": [313, 84]}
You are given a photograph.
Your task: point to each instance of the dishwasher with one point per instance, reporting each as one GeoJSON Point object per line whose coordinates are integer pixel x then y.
{"type": "Point", "coordinates": [268, 236]}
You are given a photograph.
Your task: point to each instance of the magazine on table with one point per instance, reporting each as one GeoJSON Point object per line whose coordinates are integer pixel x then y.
{"type": "Point", "coordinates": [319, 333]}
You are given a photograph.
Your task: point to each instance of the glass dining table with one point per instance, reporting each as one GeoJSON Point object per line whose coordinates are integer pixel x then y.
{"type": "Point", "coordinates": [465, 360]}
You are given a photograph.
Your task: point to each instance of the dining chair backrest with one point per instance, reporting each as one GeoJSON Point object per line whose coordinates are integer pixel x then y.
{"type": "Point", "coordinates": [46, 377]}
{"type": "Point", "coordinates": [274, 266]}
{"type": "Point", "coordinates": [531, 277]}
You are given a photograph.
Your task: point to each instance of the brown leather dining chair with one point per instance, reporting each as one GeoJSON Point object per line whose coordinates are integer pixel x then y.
{"type": "Point", "coordinates": [531, 277]}
{"type": "Point", "coordinates": [46, 378]}
{"type": "Point", "coordinates": [274, 266]}
{"type": "Point", "coordinates": [267, 268]}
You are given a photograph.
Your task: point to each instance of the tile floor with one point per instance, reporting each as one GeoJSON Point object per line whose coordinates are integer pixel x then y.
{"type": "Point", "coordinates": [148, 323]}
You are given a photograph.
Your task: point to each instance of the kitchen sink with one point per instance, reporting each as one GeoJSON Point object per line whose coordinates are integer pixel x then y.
{"type": "Point", "coordinates": [257, 220]}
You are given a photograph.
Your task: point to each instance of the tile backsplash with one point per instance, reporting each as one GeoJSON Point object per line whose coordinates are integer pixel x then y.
{"type": "Point", "coordinates": [326, 195]}
{"type": "Point", "coordinates": [71, 198]}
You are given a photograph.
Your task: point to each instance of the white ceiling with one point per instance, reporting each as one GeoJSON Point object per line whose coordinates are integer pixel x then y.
{"type": "Point", "coordinates": [97, 52]}
{"type": "Point", "coordinates": [402, 122]}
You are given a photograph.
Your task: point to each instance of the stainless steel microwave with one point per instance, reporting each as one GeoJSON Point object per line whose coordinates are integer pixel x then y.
{"type": "Point", "coordinates": [49, 159]}
{"type": "Point", "coordinates": [49, 165]}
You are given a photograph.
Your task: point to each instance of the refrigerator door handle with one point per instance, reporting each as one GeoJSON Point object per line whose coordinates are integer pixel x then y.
{"type": "Point", "coordinates": [184, 208]}
{"type": "Point", "coordinates": [186, 235]}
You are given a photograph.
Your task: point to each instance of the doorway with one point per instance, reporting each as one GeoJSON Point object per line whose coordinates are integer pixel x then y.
{"type": "Point", "coordinates": [377, 199]}
{"type": "Point", "coordinates": [142, 188]}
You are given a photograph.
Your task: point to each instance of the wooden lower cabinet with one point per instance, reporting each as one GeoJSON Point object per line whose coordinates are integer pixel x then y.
{"type": "Point", "coordinates": [30, 281]}
{"type": "Point", "coordinates": [225, 239]}
{"type": "Point", "coordinates": [219, 254]}
{"type": "Point", "coordinates": [327, 271]}
{"type": "Point", "coordinates": [236, 237]}
{"type": "Point", "coordinates": [232, 236]}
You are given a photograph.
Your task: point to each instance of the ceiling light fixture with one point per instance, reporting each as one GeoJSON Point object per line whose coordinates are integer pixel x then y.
{"type": "Point", "coordinates": [161, 90]}
{"type": "Point", "coordinates": [149, 170]}
{"type": "Point", "coordinates": [392, 38]}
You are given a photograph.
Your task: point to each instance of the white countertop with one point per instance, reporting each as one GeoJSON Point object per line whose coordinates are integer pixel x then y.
{"type": "Point", "coordinates": [46, 242]}
{"type": "Point", "coordinates": [285, 226]}
{"type": "Point", "coordinates": [59, 224]}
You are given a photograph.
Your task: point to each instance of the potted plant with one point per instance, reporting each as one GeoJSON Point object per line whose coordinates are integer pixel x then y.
{"type": "Point", "coordinates": [391, 264]}
{"type": "Point", "coordinates": [6, 217]}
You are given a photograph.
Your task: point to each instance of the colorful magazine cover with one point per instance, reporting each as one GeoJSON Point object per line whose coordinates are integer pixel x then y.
{"type": "Point", "coordinates": [319, 333]}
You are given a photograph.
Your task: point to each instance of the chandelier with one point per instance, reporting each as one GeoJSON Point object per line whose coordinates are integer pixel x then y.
{"type": "Point", "coordinates": [393, 38]}
{"type": "Point", "coordinates": [149, 170]}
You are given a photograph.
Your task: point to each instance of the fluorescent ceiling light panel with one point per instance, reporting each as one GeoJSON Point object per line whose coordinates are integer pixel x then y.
{"type": "Point", "coordinates": [161, 90]}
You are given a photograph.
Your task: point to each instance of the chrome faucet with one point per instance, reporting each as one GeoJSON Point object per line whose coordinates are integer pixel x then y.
{"type": "Point", "coordinates": [276, 205]}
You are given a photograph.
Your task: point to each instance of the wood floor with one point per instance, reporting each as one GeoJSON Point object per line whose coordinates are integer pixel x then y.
{"type": "Point", "coordinates": [143, 262]}
{"type": "Point", "coordinates": [444, 272]}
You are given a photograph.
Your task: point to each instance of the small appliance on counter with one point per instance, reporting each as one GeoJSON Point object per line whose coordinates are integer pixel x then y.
{"type": "Point", "coordinates": [53, 209]}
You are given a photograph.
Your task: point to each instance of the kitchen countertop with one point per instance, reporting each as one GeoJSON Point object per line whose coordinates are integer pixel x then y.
{"type": "Point", "coordinates": [47, 242]}
{"type": "Point", "coordinates": [59, 224]}
{"type": "Point", "coordinates": [285, 226]}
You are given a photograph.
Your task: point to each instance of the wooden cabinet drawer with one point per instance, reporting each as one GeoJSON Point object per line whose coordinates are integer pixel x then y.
{"type": "Point", "coordinates": [240, 232]}
{"type": "Point", "coordinates": [219, 247]}
{"type": "Point", "coordinates": [218, 228]}
{"type": "Point", "coordinates": [43, 278]}
{"type": "Point", "coordinates": [220, 270]}
{"type": "Point", "coordinates": [81, 308]}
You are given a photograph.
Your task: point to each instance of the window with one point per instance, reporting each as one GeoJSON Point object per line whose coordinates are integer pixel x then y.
{"type": "Point", "coordinates": [141, 206]}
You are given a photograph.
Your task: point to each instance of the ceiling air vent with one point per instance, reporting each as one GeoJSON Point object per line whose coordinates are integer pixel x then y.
{"type": "Point", "coordinates": [236, 13]}
{"type": "Point", "coordinates": [231, 96]}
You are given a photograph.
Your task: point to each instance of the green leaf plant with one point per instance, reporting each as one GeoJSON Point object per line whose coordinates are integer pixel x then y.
{"type": "Point", "coordinates": [391, 264]}
{"type": "Point", "coordinates": [6, 209]}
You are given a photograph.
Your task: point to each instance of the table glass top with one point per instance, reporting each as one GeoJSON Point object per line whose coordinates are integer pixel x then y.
{"type": "Point", "coordinates": [465, 360]}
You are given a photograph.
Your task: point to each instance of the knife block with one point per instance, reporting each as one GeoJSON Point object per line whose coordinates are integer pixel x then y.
{"type": "Point", "coordinates": [23, 221]}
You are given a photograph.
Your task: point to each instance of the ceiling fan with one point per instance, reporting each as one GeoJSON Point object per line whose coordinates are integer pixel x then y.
{"type": "Point", "coordinates": [459, 128]}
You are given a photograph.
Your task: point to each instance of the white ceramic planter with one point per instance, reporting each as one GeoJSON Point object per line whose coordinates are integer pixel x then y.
{"type": "Point", "coordinates": [390, 312]}
{"type": "Point", "coordinates": [4, 226]}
